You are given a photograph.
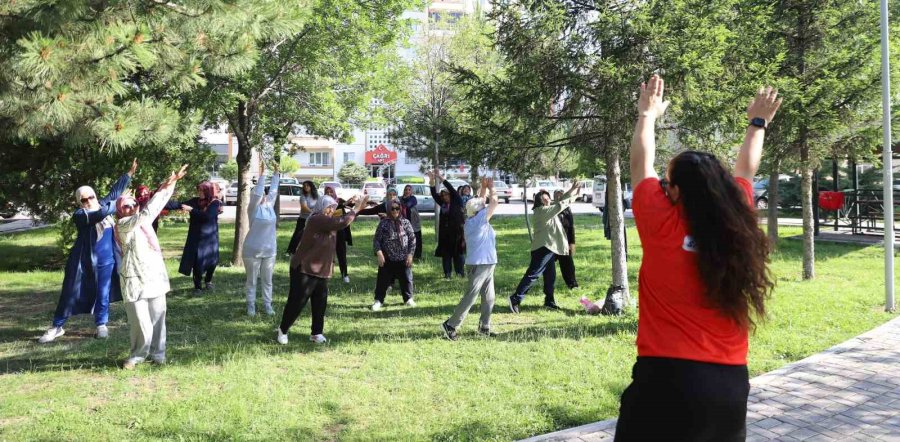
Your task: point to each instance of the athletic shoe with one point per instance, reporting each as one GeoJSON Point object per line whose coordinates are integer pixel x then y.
{"type": "Point", "coordinates": [410, 303]}
{"type": "Point", "coordinates": [251, 310]}
{"type": "Point", "coordinates": [198, 292]}
{"type": "Point", "coordinates": [210, 286]}
{"type": "Point", "coordinates": [280, 337]}
{"type": "Point", "coordinates": [449, 332]}
{"type": "Point", "coordinates": [487, 332]}
{"type": "Point", "coordinates": [551, 306]}
{"type": "Point", "coordinates": [159, 361]}
{"type": "Point", "coordinates": [102, 332]}
{"type": "Point", "coordinates": [51, 334]}
{"type": "Point", "coordinates": [318, 339]}
{"type": "Point", "coordinates": [513, 305]}
{"type": "Point", "coordinates": [270, 311]}
{"type": "Point", "coordinates": [131, 364]}
{"type": "Point", "coordinates": [376, 306]}
{"type": "Point", "coordinates": [347, 280]}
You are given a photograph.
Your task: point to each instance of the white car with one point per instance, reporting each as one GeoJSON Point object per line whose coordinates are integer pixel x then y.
{"type": "Point", "coordinates": [339, 189]}
{"type": "Point", "coordinates": [540, 185]}
{"type": "Point", "coordinates": [231, 194]}
{"type": "Point", "coordinates": [376, 191]}
{"type": "Point", "coordinates": [599, 193]}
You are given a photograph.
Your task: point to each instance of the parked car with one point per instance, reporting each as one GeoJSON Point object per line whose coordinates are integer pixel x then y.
{"type": "Point", "coordinates": [540, 185]}
{"type": "Point", "coordinates": [231, 194]}
{"type": "Point", "coordinates": [422, 192]}
{"type": "Point", "coordinates": [376, 191]}
{"type": "Point", "coordinates": [456, 184]}
{"type": "Point", "coordinates": [761, 191]}
{"type": "Point", "coordinates": [222, 182]}
{"type": "Point", "coordinates": [339, 189]}
{"type": "Point", "coordinates": [598, 195]}
{"type": "Point", "coordinates": [289, 198]}
{"type": "Point", "coordinates": [504, 192]}
{"type": "Point", "coordinates": [587, 190]}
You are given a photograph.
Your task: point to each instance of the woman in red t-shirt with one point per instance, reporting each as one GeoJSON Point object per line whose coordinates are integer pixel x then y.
{"type": "Point", "coordinates": [704, 277]}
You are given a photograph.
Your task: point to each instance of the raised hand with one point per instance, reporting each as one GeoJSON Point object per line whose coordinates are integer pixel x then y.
{"type": "Point", "coordinates": [651, 103]}
{"type": "Point", "coordinates": [133, 167]}
{"type": "Point", "coordinates": [186, 208]}
{"type": "Point", "coordinates": [764, 104]}
{"type": "Point", "coordinates": [181, 172]}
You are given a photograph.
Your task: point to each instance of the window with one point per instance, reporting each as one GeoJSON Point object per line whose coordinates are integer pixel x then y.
{"type": "Point", "coordinates": [349, 156]}
{"type": "Point", "coordinates": [320, 159]}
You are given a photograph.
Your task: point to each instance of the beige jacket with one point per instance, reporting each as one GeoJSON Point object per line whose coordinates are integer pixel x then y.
{"type": "Point", "coordinates": [142, 271]}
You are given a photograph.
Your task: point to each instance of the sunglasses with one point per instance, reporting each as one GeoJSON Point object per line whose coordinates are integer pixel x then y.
{"type": "Point", "coordinates": [129, 206]}
{"type": "Point", "coordinates": [395, 209]}
{"type": "Point", "coordinates": [84, 200]}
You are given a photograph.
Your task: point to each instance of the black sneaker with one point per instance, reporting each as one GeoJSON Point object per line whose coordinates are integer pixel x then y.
{"type": "Point", "coordinates": [449, 332]}
{"type": "Point", "coordinates": [551, 306]}
{"type": "Point", "coordinates": [513, 306]}
{"type": "Point", "coordinates": [210, 286]}
{"type": "Point", "coordinates": [487, 332]}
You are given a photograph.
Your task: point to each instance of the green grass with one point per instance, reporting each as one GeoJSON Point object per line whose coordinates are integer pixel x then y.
{"type": "Point", "coordinates": [383, 376]}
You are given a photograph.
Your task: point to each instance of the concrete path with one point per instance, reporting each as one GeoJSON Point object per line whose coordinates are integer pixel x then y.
{"type": "Point", "coordinates": [19, 225]}
{"type": "Point", "coordinates": [850, 392]}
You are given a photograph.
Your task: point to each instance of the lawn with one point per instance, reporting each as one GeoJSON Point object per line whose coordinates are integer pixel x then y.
{"type": "Point", "coordinates": [383, 376]}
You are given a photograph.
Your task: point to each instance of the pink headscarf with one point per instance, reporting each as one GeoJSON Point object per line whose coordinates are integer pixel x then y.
{"type": "Point", "coordinates": [208, 190]}
{"type": "Point", "coordinates": [145, 227]}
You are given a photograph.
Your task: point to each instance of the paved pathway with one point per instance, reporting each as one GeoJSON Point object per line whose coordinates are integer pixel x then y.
{"type": "Point", "coordinates": [18, 225]}
{"type": "Point", "coordinates": [849, 392]}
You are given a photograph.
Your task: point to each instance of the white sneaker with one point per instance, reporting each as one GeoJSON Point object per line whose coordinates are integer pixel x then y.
{"type": "Point", "coordinates": [269, 310]}
{"type": "Point", "coordinates": [130, 364]}
{"type": "Point", "coordinates": [251, 310]}
{"type": "Point", "coordinates": [51, 334]}
{"type": "Point", "coordinates": [281, 337]}
{"type": "Point", "coordinates": [102, 332]}
{"type": "Point", "coordinates": [410, 303]}
{"type": "Point", "coordinates": [376, 306]}
{"type": "Point", "coordinates": [318, 339]}
{"type": "Point", "coordinates": [347, 279]}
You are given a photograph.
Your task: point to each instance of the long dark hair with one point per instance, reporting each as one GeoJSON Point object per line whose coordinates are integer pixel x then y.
{"type": "Point", "coordinates": [733, 253]}
{"type": "Point", "coordinates": [537, 199]}
{"type": "Point", "coordinates": [313, 192]}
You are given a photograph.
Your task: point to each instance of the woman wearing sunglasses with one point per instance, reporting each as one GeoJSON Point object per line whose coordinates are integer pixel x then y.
{"type": "Point", "coordinates": [144, 278]}
{"type": "Point", "coordinates": [90, 281]}
{"type": "Point", "coordinates": [703, 280]}
{"type": "Point", "coordinates": [395, 245]}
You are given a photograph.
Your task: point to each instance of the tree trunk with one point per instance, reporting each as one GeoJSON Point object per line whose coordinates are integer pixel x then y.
{"type": "Point", "coordinates": [806, 195]}
{"type": "Point", "coordinates": [773, 205]}
{"type": "Point", "coordinates": [616, 214]}
{"type": "Point", "coordinates": [525, 207]}
{"type": "Point", "coordinates": [473, 178]}
{"type": "Point", "coordinates": [240, 127]}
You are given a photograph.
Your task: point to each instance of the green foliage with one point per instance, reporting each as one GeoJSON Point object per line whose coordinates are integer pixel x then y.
{"type": "Point", "coordinates": [229, 170]}
{"type": "Point", "coordinates": [352, 173]}
{"type": "Point", "coordinates": [287, 166]}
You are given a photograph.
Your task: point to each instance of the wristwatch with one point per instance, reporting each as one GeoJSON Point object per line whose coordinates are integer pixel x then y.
{"type": "Point", "coordinates": [758, 122]}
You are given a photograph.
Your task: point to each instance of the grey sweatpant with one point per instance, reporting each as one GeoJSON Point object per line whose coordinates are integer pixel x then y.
{"type": "Point", "coordinates": [147, 321]}
{"type": "Point", "coordinates": [259, 269]}
{"type": "Point", "coordinates": [481, 281]}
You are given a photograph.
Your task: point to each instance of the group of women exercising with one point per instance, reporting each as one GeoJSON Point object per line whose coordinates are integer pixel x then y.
{"type": "Point", "coordinates": [703, 280]}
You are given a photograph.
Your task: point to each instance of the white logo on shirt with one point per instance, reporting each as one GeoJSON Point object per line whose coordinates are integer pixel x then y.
{"type": "Point", "coordinates": [689, 244]}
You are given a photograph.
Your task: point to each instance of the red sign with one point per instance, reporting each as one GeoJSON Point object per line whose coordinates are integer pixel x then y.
{"type": "Point", "coordinates": [381, 155]}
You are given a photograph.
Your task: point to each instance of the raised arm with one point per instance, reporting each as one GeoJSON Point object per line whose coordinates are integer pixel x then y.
{"type": "Point", "coordinates": [761, 111]}
{"type": "Point", "coordinates": [544, 214]}
{"type": "Point", "coordinates": [273, 186]}
{"type": "Point", "coordinates": [492, 200]}
{"type": "Point", "coordinates": [643, 143]}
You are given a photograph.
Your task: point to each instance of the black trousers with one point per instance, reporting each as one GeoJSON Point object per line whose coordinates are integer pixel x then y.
{"type": "Point", "coordinates": [418, 253]}
{"type": "Point", "coordinates": [567, 268]}
{"type": "Point", "coordinates": [388, 273]}
{"type": "Point", "coordinates": [451, 262]}
{"type": "Point", "coordinates": [681, 400]}
{"type": "Point", "coordinates": [303, 288]}
{"type": "Point", "coordinates": [340, 250]}
{"type": "Point", "coordinates": [295, 238]}
{"type": "Point", "coordinates": [197, 273]}
{"type": "Point", "coordinates": [541, 264]}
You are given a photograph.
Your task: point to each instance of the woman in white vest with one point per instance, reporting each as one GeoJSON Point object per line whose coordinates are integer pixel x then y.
{"type": "Point", "coordinates": [143, 274]}
{"type": "Point", "coordinates": [259, 244]}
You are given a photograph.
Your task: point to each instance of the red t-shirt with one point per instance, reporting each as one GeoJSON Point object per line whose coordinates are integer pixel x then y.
{"type": "Point", "coordinates": [674, 320]}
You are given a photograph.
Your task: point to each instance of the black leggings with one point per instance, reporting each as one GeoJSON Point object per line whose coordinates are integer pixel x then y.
{"type": "Point", "coordinates": [449, 262]}
{"type": "Point", "coordinates": [303, 288]}
{"type": "Point", "coordinates": [394, 270]}
{"type": "Point", "coordinates": [418, 253]}
{"type": "Point", "coordinates": [198, 272]}
{"type": "Point", "coordinates": [567, 268]}
{"type": "Point", "coordinates": [678, 399]}
{"type": "Point", "coordinates": [341, 250]}
{"type": "Point", "coordinates": [298, 234]}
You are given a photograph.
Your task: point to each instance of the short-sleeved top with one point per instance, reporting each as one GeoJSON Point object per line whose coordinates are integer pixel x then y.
{"type": "Point", "coordinates": [481, 240]}
{"type": "Point", "coordinates": [674, 319]}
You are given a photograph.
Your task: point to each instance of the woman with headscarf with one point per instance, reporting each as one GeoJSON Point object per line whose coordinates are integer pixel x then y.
{"type": "Point", "coordinates": [90, 284]}
{"type": "Point", "coordinates": [410, 203]}
{"type": "Point", "coordinates": [549, 242]}
{"type": "Point", "coordinates": [465, 193]}
{"type": "Point", "coordinates": [143, 194]}
{"type": "Point", "coordinates": [344, 236]}
{"type": "Point", "coordinates": [311, 268]}
{"type": "Point", "coordinates": [480, 261]}
{"type": "Point", "coordinates": [704, 279]}
{"type": "Point", "coordinates": [308, 201]}
{"type": "Point", "coordinates": [394, 244]}
{"type": "Point", "coordinates": [143, 275]}
{"type": "Point", "coordinates": [259, 244]}
{"type": "Point", "coordinates": [451, 242]}
{"type": "Point", "coordinates": [201, 249]}
{"type": "Point", "coordinates": [566, 263]}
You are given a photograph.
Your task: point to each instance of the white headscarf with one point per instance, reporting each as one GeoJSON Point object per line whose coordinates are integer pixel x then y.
{"type": "Point", "coordinates": [107, 222]}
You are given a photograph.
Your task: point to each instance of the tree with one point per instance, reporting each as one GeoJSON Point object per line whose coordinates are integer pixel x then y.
{"type": "Point", "coordinates": [287, 165]}
{"type": "Point", "coordinates": [319, 79]}
{"type": "Point", "coordinates": [830, 71]}
{"type": "Point", "coordinates": [352, 173]}
{"type": "Point", "coordinates": [229, 170]}
{"type": "Point", "coordinates": [571, 69]}
{"type": "Point", "coordinates": [86, 85]}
